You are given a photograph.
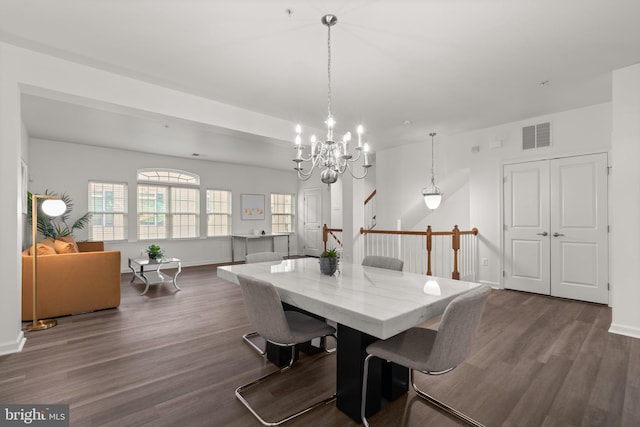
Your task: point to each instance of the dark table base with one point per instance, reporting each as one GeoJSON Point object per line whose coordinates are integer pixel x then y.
{"type": "Point", "coordinates": [387, 381]}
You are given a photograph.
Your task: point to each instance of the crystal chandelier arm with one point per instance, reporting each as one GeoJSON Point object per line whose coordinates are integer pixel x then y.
{"type": "Point", "coordinates": [307, 159]}
{"type": "Point", "coordinates": [366, 170]}
{"type": "Point", "coordinates": [358, 154]}
{"type": "Point", "coordinates": [302, 174]}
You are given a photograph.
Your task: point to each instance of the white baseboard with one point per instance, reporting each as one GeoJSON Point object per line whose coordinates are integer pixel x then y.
{"type": "Point", "coordinates": [13, 347]}
{"type": "Point", "coordinates": [494, 285]}
{"type": "Point", "coordinates": [629, 331]}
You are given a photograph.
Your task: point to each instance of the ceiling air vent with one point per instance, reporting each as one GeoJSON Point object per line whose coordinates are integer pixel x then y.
{"type": "Point", "coordinates": [536, 136]}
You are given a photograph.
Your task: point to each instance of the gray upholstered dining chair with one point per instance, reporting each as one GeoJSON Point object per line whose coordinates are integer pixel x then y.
{"type": "Point", "coordinates": [263, 257]}
{"type": "Point", "coordinates": [251, 337]}
{"type": "Point", "coordinates": [283, 328]}
{"type": "Point", "coordinates": [433, 352]}
{"type": "Point", "coordinates": [383, 262]}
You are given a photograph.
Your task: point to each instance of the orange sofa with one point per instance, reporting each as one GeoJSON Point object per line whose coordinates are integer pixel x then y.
{"type": "Point", "coordinates": [72, 283]}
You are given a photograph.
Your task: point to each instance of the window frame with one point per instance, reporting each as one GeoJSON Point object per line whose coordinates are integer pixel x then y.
{"type": "Point", "coordinates": [228, 214]}
{"type": "Point", "coordinates": [102, 213]}
{"type": "Point", "coordinates": [275, 214]}
{"type": "Point", "coordinates": [169, 212]}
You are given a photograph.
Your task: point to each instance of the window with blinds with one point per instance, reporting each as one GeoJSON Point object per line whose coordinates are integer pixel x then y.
{"type": "Point", "coordinates": [282, 213]}
{"type": "Point", "coordinates": [108, 208]}
{"type": "Point", "coordinates": [168, 204]}
{"type": "Point", "coordinates": [218, 213]}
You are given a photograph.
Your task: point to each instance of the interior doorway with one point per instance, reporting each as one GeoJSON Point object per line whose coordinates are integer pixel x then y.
{"type": "Point", "coordinates": [312, 222]}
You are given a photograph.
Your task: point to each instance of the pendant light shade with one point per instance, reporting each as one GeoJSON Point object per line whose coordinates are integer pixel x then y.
{"type": "Point", "coordinates": [432, 200]}
{"type": "Point", "coordinates": [432, 194]}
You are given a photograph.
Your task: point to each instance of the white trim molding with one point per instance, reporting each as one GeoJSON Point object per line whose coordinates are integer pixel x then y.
{"type": "Point", "coordinates": [13, 347]}
{"type": "Point", "coordinates": [494, 285]}
{"type": "Point", "coordinates": [629, 331]}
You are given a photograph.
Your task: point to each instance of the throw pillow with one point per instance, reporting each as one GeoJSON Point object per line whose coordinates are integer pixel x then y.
{"type": "Point", "coordinates": [62, 247]}
{"type": "Point", "coordinates": [45, 247]}
{"type": "Point", "coordinates": [70, 239]}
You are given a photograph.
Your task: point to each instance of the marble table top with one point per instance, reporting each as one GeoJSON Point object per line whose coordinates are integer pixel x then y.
{"type": "Point", "coordinates": [376, 301]}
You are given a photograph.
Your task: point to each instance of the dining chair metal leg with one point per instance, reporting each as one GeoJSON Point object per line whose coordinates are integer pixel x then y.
{"type": "Point", "coordinates": [440, 405]}
{"type": "Point", "coordinates": [429, 399]}
{"type": "Point", "coordinates": [363, 402]}
{"type": "Point", "coordinates": [323, 344]}
{"type": "Point", "coordinates": [247, 337]}
{"type": "Point", "coordinates": [242, 388]}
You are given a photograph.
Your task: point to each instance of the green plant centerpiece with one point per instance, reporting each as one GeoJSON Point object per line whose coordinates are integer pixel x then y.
{"type": "Point", "coordinates": [154, 252]}
{"type": "Point", "coordinates": [59, 226]}
{"type": "Point", "coordinates": [329, 262]}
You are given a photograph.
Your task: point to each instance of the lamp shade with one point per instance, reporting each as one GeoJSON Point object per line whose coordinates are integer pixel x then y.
{"type": "Point", "coordinates": [53, 207]}
{"type": "Point", "coordinates": [432, 200]}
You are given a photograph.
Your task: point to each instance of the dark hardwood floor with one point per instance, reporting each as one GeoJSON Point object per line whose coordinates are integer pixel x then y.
{"type": "Point", "coordinates": [174, 359]}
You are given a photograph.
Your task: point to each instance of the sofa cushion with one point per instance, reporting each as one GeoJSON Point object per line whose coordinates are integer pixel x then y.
{"type": "Point", "coordinates": [63, 247]}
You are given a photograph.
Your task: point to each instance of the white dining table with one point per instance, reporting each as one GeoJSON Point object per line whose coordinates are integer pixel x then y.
{"type": "Point", "coordinates": [368, 304]}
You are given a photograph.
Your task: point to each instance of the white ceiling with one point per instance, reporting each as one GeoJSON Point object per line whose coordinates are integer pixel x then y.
{"type": "Point", "coordinates": [445, 65]}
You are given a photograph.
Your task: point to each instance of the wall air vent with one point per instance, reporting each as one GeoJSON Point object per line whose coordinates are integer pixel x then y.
{"type": "Point", "coordinates": [536, 136]}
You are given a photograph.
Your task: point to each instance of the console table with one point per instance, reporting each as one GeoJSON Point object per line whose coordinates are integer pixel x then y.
{"type": "Point", "coordinates": [153, 275]}
{"type": "Point", "coordinates": [247, 237]}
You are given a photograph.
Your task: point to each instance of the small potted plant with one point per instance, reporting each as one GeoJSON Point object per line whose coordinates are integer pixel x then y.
{"type": "Point", "coordinates": [154, 252]}
{"type": "Point", "coordinates": [329, 262]}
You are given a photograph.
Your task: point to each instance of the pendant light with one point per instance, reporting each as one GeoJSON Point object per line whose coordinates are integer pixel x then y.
{"type": "Point", "coordinates": [432, 195]}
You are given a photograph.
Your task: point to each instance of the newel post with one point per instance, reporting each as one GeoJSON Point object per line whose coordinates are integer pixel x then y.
{"type": "Point", "coordinates": [429, 250]}
{"type": "Point", "coordinates": [455, 245]}
{"type": "Point", "coordinates": [325, 236]}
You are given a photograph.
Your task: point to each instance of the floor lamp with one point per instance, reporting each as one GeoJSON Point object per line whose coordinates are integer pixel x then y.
{"type": "Point", "coordinates": [52, 207]}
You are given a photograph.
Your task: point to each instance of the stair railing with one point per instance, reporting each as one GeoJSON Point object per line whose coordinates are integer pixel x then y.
{"type": "Point", "coordinates": [426, 251]}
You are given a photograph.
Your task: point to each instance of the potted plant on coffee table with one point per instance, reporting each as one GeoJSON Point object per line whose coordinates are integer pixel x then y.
{"type": "Point", "coordinates": [329, 262]}
{"type": "Point", "coordinates": [154, 252]}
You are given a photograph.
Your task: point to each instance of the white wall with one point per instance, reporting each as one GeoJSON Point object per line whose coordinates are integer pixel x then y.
{"type": "Point", "coordinates": [625, 202]}
{"type": "Point", "coordinates": [472, 182]}
{"type": "Point", "coordinates": [66, 167]}
{"type": "Point", "coordinates": [11, 131]}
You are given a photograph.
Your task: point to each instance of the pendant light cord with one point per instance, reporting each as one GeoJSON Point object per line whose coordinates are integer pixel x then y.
{"type": "Point", "coordinates": [432, 134]}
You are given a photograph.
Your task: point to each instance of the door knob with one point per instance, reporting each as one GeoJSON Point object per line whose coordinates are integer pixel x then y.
{"type": "Point", "coordinates": [557, 234]}
{"type": "Point", "coordinates": [544, 233]}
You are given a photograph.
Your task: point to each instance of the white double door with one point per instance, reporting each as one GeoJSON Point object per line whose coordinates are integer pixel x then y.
{"type": "Point", "coordinates": [556, 227]}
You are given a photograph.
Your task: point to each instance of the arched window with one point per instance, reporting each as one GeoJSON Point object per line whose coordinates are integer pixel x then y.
{"type": "Point", "coordinates": [168, 204]}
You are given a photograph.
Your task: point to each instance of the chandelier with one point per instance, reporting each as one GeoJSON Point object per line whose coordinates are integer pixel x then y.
{"type": "Point", "coordinates": [332, 156]}
{"type": "Point", "coordinates": [432, 195]}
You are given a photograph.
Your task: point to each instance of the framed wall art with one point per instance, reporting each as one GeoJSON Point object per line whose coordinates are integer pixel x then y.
{"type": "Point", "coordinates": [252, 206]}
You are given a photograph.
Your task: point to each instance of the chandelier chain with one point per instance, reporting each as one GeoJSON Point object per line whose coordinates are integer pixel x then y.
{"type": "Point", "coordinates": [329, 70]}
